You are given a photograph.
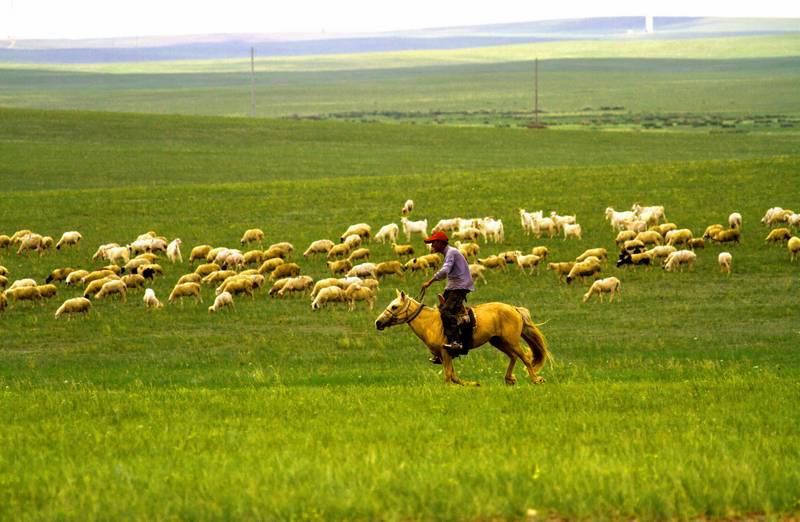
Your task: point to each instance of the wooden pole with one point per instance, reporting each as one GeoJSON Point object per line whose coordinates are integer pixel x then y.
{"type": "Point", "coordinates": [252, 82]}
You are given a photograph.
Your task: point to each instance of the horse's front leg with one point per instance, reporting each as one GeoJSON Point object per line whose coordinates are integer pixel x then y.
{"type": "Point", "coordinates": [450, 376]}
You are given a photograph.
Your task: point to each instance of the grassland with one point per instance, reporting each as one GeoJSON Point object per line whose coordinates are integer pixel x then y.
{"type": "Point", "coordinates": [680, 401]}
{"type": "Point", "coordinates": [741, 83]}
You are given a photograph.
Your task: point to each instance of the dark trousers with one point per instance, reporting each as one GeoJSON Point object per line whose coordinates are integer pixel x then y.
{"type": "Point", "coordinates": [453, 303]}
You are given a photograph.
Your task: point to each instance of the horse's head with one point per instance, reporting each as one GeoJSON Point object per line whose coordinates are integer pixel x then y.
{"type": "Point", "coordinates": [396, 313]}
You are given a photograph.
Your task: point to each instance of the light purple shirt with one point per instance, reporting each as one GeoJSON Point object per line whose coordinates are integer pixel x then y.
{"type": "Point", "coordinates": [456, 270]}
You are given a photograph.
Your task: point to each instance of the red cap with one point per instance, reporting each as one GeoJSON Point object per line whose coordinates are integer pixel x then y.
{"type": "Point", "coordinates": [437, 236]}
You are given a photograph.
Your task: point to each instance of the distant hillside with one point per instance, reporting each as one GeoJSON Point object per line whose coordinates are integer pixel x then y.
{"type": "Point", "coordinates": [208, 47]}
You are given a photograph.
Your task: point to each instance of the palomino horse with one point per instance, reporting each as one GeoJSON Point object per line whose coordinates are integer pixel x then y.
{"type": "Point", "coordinates": [500, 324]}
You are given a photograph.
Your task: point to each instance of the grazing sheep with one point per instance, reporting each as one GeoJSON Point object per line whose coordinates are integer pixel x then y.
{"type": "Point", "coordinates": [599, 253]}
{"type": "Point", "coordinates": [388, 233]}
{"type": "Point", "coordinates": [5, 241]}
{"type": "Point", "coordinates": [725, 260]}
{"type": "Point", "coordinates": [625, 235]}
{"type": "Point", "coordinates": [72, 237]}
{"type": "Point", "coordinates": [493, 261]}
{"type": "Point", "coordinates": [476, 271]}
{"type": "Point", "coordinates": [76, 305]}
{"type": "Point", "coordinates": [329, 294]}
{"type": "Point", "coordinates": [359, 293]}
{"type": "Point", "coordinates": [541, 251]}
{"type": "Point", "coordinates": [661, 251]}
{"type": "Point", "coordinates": [31, 242]}
{"type": "Point", "coordinates": [363, 270]}
{"type": "Point", "coordinates": [149, 271]}
{"type": "Point", "coordinates": [113, 287]}
{"type": "Point", "coordinates": [434, 260]}
{"type": "Point", "coordinates": [649, 237]}
{"type": "Point", "coordinates": [338, 251]}
{"type": "Point", "coordinates": [794, 246]}
{"type": "Point", "coordinates": [237, 285]}
{"type": "Point", "coordinates": [571, 230]}
{"type": "Point", "coordinates": [282, 249]}
{"type": "Point", "coordinates": [217, 276]}
{"type": "Point", "coordinates": [47, 291]}
{"type": "Point", "coordinates": [206, 268]}
{"type": "Point", "coordinates": [510, 256]}
{"type": "Point", "coordinates": [277, 285]}
{"type": "Point", "coordinates": [19, 283]}
{"type": "Point", "coordinates": [530, 261]}
{"type": "Point", "coordinates": [628, 258]}
{"type": "Point", "coordinates": [325, 283]}
{"type": "Point", "coordinates": [634, 246]}
{"type": "Point", "coordinates": [678, 259]}
{"type": "Point", "coordinates": [586, 268]}
{"type": "Point", "coordinates": [199, 252]}
{"type": "Point", "coordinates": [352, 241]}
{"type": "Point", "coordinates": [186, 290]}
{"type": "Point", "coordinates": [339, 267]}
{"type": "Point", "coordinates": [24, 293]}
{"type": "Point", "coordinates": [408, 206]}
{"type": "Point", "coordinates": [663, 228]}
{"type": "Point", "coordinates": [102, 249]}
{"type": "Point", "coordinates": [320, 246]}
{"type": "Point", "coordinates": [174, 251]}
{"type": "Point", "coordinates": [402, 250]}
{"type": "Point", "coordinates": [133, 265]}
{"type": "Point", "coordinates": [270, 264]}
{"type": "Point", "coordinates": [97, 274]}
{"type": "Point", "coordinates": [359, 253]}
{"type": "Point", "coordinates": [561, 269]}
{"type": "Point", "coordinates": [94, 286]}
{"type": "Point", "coordinates": [618, 218]}
{"type": "Point", "coordinates": [679, 236]}
{"type": "Point", "coordinates": [362, 229]}
{"type": "Point", "coordinates": [735, 220]}
{"type": "Point", "coordinates": [3, 281]}
{"type": "Point", "coordinates": [59, 274]}
{"type": "Point", "coordinates": [609, 285]}
{"type": "Point", "coordinates": [389, 267]}
{"type": "Point", "coordinates": [222, 300]}
{"type": "Point", "coordinates": [75, 277]}
{"type": "Point", "coordinates": [446, 225]}
{"type": "Point", "coordinates": [414, 227]}
{"type": "Point", "coordinates": [150, 299]}
{"type": "Point", "coordinates": [416, 264]}
{"type": "Point", "coordinates": [133, 281]}
{"type": "Point", "coordinates": [284, 270]}
{"type": "Point", "coordinates": [3, 270]}
{"type": "Point", "coordinates": [295, 284]}
{"type": "Point", "coordinates": [18, 236]}
{"type": "Point", "coordinates": [468, 249]}
{"type": "Point", "coordinates": [253, 257]}
{"type": "Point", "coordinates": [252, 235]}
{"type": "Point", "coordinates": [697, 242]}
{"type": "Point", "coordinates": [116, 254]}
{"type": "Point", "coordinates": [732, 235]}
{"type": "Point", "coordinates": [778, 235]}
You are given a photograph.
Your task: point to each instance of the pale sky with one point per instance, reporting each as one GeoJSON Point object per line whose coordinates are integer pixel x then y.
{"type": "Point", "coordinates": [20, 19]}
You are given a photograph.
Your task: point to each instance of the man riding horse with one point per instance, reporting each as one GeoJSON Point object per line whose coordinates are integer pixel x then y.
{"type": "Point", "coordinates": [459, 284]}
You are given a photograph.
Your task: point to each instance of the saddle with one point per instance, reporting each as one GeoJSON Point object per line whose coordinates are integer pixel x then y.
{"type": "Point", "coordinates": [465, 319]}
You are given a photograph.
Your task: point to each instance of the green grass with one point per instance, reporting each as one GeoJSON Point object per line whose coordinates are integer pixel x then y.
{"type": "Point", "coordinates": [680, 401]}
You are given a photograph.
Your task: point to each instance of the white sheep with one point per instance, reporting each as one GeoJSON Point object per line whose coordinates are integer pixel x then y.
{"type": "Point", "coordinates": [186, 290]}
{"type": "Point", "coordinates": [320, 246]}
{"type": "Point", "coordinates": [725, 260]}
{"type": "Point", "coordinates": [609, 285]}
{"type": "Point", "coordinates": [174, 251]}
{"type": "Point", "coordinates": [618, 218]}
{"type": "Point", "coordinates": [31, 242]}
{"type": "Point", "coordinates": [76, 305]}
{"type": "Point", "coordinates": [571, 230]}
{"type": "Point", "coordinates": [295, 284]}
{"type": "Point", "coordinates": [492, 230]}
{"type": "Point", "coordinates": [446, 225]}
{"type": "Point", "coordinates": [362, 229]}
{"type": "Point", "coordinates": [363, 270]}
{"type": "Point", "coordinates": [388, 233]}
{"type": "Point", "coordinates": [328, 294]}
{"type": "Point", "coordinates": [116, 286]}
{"type": "Point", "coordinates": [476, 271]}
{"type": "Point", "coordinates": [414, 227]}
{"type": "Point", "coordinates": [530, 261]}
{"type": "Point", "coordinates": [72, 237]}
{"type": "Point", "coordinates": [735, 220]}
{"type": "Point", "coordinates": [222, 300]}
{"type": "Point", "coordinates": [544, 224]}
{"type": "Point", "coordinates": [678, 259]}
{"type": "Point", "coordinates": [408, 207]}
{"type": "Point", "coordinates": [115, 254]}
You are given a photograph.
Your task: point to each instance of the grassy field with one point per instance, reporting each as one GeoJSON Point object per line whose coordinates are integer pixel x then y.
{"type": "Point", "coordinates": [680, 401]}
{"type": "Point", "coordinates": [742, 83]}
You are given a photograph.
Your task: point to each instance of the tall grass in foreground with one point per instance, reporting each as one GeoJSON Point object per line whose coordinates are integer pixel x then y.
{"type": "Point", "coordinates": [680, 401]}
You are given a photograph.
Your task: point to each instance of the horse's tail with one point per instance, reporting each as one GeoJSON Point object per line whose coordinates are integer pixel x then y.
{"type": "Point", "coordinates": [535, 339]}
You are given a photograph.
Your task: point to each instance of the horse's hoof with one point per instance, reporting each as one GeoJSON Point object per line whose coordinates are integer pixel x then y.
{"type": "Point", "coordinates": [538, 380]}
{"type": "Point", "coordinates": [512, 381]}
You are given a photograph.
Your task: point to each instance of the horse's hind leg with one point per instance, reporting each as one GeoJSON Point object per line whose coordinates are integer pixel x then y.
{"type": "Point", "coordinates": [512, 359]}
{"type": "Point", "coordinates": [527, 359]}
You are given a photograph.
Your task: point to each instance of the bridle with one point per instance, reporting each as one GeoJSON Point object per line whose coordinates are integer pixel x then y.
{"type": "Point", "coordinates": [396, 316]}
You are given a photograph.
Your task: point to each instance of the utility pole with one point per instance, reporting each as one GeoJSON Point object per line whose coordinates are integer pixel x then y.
{"type": "Point", "coordinates": [252, 82]}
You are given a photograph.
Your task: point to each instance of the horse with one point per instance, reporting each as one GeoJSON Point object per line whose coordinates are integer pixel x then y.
{"type": "Point", "coordinates": [500, 324]}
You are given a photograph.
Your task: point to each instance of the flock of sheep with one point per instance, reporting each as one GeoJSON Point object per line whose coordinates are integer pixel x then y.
{"type": "Point", "coordinates": [643, 237]}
